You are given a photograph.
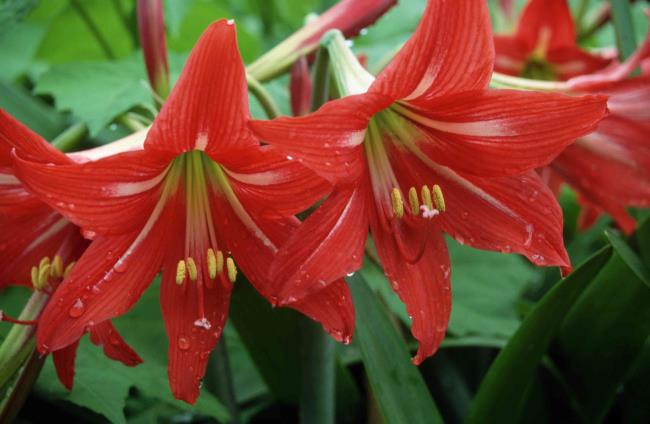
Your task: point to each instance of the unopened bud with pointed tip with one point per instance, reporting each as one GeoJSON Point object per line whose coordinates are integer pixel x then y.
{"type": "Point", "coordinates": [151, 26]}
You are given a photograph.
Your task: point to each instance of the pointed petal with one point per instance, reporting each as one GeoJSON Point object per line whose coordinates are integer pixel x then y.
{"type": "Point", "coordinates": [511, 55]}
{"type": "Point", "coordinates": [106, 282]}
{"type": "Point", "coordinates": [325, 141]}
{"type": "Point", "coordinates": [588, 216]}
{"type": "Point", "coordinates": [571, 61]}
{"type": "Point", "coordinates": [270, 185]}
{"type": "Point", "coordinates": [549, 22]}
{"type": "Point", "coordinates": [451, 51]}
{"type": "Point", "coordinates": [331, 307]}
{"type": "Point", "coordinates": [26, 142]}
{"type": "Point", "coordinates": [423, 286]}
{"type": "Point", "coordinates": [64, 364]}
{"type": "Point", "coordinates": [327, 246]}
{"type": "Point", "coordinates": [208, 107]}
{"type": "Point", "coordinates": [104, 334]}
{"type": "Point", "coordinates": [108, 196]}
{"type": "Point", "coordinates": [509, 214]}
{"type": "Point", "coordinates": [504, 132]}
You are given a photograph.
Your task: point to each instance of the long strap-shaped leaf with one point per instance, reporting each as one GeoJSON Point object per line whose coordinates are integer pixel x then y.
{"type": "Point", "coordinates": [503, 392]}
{"type": "Point", "coordinates": [401, 393]}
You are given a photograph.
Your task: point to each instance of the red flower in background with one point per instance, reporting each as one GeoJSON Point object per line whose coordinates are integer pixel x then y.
{"type": "Point", "coordinates": [201, 196]}
{"type": "Point", "coordinates": [38, 248]}
{"type": "Point", "coordinates": [427, 126]}
{"type": "Point", "coordinates": [544, 45]}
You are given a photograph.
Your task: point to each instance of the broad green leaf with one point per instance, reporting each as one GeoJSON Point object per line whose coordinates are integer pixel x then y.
{"type": "Point", "coordinates": [401, 393]}
{"type": "Point", "coordinates": [503, 392]}
{"type": "Point", "coordinates": [634, 406]}
{"type": "Point", "coordinates": [97, 92]}
{"type": "Point", "coordinates": [17, 49]}
{"type": "Point", "coordinates": [629, 257]}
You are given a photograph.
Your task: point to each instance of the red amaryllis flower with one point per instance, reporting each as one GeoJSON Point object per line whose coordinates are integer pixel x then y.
{"type": "Point", "coordinates": [427, 126]}
{"type": "Point", "coordinates": [544, 45]}
{"type": "Point", "coordinates": [38, 248]}
{"type": "Point", "coordinates": [202, 196]}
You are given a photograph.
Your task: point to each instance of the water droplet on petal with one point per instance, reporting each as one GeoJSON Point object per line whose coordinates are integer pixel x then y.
{"type": "Point", "coordinates": [121, 266]}
{"type": "Point", "coordinates": [183, 343]}
{"type": "Point", "coordinates": [77, 309]}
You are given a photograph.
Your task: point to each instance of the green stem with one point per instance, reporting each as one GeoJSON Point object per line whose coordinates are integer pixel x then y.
{"type": "Point", "coordinates": [321, 89]}
{"type": "Point", "coordinates": [624, 27]}
{"type": "Point", "coordinates": [93, 29]}
{"type": "Point", "coordinates": [263, 96]}
{"type": "Point", "coordinates": [131, 123]}
{"type": "Point", "coordinates": [507, 81]}
{"type": "Point", "coordinates": [17, 395]}
{"type": "Point", "coordinates": [317, 394]}
{"type": "Point", "coordinates": [581, 12]}
{"type": "Point", "coordinates": [219, 379]}
{"type": "Point", "coordinates": [70, 138]}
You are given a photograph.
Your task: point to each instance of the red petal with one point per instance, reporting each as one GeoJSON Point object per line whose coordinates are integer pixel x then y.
{"type": "Point", "coordinates": [333, 308]}
{"type": "Point", "coordinates": [325, 141]}
{"type": "Point", "coordinates": [451, 51]}
{"type": "Point", "coordinates": [64, 364]}
{"type": "Point", "coordinates": [208, 107]}
{"type": "Point", "coordinates": [105, 283]}
{"type": "Point", "coordinates": [104, 334]}
{"type": "Point", "coordinates": [509, 214]}
{"type": "Point", "coordinates": [423, 286]}
{"type": "Point", "coordinates": [27, 143]}
{"type": "Point", "coordinates": [108, 196]}
{"type": "Point", "coordinates": [589, 214]}
{"type": "Point", "coordinates": [511, 55]}
{"type": "Point", "coordinates": [571, 61]}
{"type": "Point", "coordinates": [324, 248]}
{"type": "Point", "coordinates": [504, 132]}
{"type": "Point", "coordinates": [269, 185]}
{"type": "Point", "coordinates": [300, 87]}
{"type": "Point", "coordinates": [552, 17]}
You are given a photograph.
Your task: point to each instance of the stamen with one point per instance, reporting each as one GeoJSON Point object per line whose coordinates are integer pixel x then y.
{"type": "Point", "coordinates": [6, 318]}
{"type": "Point", "coordinates": [35, 276]}
{"type": "Point", "coordinates": [212, 264]}
{"type": "Point", "coordinates": [44, 261]}
{"type": "Point", "coordinates": [426, 197]}
{"type": "Point", "coordinates": [191, 269]}
{"type": "Point", "coordinates": [398, 204]}
{"type": "Point", "coordinates": [232, 269]}
{"type": "Point", "coordinates": [219, 261]}
{"type": "Point", "coordinates": [43, 276]}
{"type": "Point", "coordinates": [56, 271]}
{"type": "Point", "coordinates": [180, 272]}
{"type": "Point", "coordinates": [413, 201]}
{"type": "Point", "coordinates": [438, 198]}
{"type": "Point", "coordinates": [68, 269]}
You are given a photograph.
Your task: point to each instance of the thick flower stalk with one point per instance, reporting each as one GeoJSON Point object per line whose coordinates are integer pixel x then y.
{"type": "Point", "coordinates": [201, 201]}
{"type": "Point", "coordinates": [348, 16]}
{"type": "Point", "coordinates": [421, 150]}
{"type": "Point", "coordinates": [544, 45]}
{"type": "Point", "coordinates": [39, 248]}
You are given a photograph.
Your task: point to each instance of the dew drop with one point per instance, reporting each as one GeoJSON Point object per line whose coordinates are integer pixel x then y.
{"type": "Point", "coordinates": [88, 234]}
{"type": "Point", "coordinates": [183, 343]}
{"type": "Point", "coordinates": [121, 266]}
{"type": "Point", "coordinates": [77, 309]}
{"type": "Point", "coordinates": [464, 215]}
{"type": "Point", "coordinates": [350, 274]}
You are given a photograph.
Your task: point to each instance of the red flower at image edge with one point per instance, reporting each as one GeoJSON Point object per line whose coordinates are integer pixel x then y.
{"type": "Point", "coordinates": [29, 232]}
{"type": "Point", "coordinates": [544, 45]}
{"type": "Point", "coordinates": [427, 120]}
{"type": "Point", "coordinates": [201, 198]}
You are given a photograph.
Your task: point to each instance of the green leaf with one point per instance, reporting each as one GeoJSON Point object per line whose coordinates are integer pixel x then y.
{"type": "Point", "coordinates": [631, 259]}
{"type": "Point", "coordinates": [97, 92]}
{"type": "Point", "coordinates": [503, 392]}
{"type": "Point", "coordinates": [18, 48]}
{"type": "Point", "coordinates": [624, 26]}
{"type": "Point", "coordinates": [605, 331]}
{"type": "Point", "coordinates": [401, 393]}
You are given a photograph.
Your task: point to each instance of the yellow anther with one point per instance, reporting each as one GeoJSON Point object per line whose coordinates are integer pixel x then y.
{"type": "Point", "coordinates": [398, 204]}
{"type": "Point", "coordinates": [43, 276]}
{"type": "Point", "coordinates": [232, 270]}
{"type": "Point", "coordinates": [180, 272]}
{"type": "Point", "coordinates": [35, 276]}
{"type": "Point", "coordinates": [68, 269]}
{"type": "Point", "coordinates": [56, 271]}
{"type": "Point", "coordinates": [438, 198]}
{"type": "Point", "coordinates": [44, 261]}
{"type": "Point", "coordinates": [219, 261]}
{"type": "Point", "coordinates": [426, 197]}
{"type": "Point", "coordinates": [212, 264]}
{"type": "Point", "coordinates": [413, 201]}
{"type": "Point", "coordinates": [191, 269]}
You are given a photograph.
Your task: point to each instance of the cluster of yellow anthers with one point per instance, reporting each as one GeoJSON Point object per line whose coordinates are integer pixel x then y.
{"type": "Point", "coordinates": [433, 202]}
{"type": "Point", "coordinates": [47, 269]}
{"type": "Point", "coordinates": [187, 268]}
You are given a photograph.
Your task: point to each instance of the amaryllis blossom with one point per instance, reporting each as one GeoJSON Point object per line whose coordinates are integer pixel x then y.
{"type": "Point", "coordinates": [202, 199]}
{"type": "Point", "coordinates": [425, 149]}
{"type": "Point", "coordinates": [39, 247]}
{"type": "Point", "coordinates": [544, 45]}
